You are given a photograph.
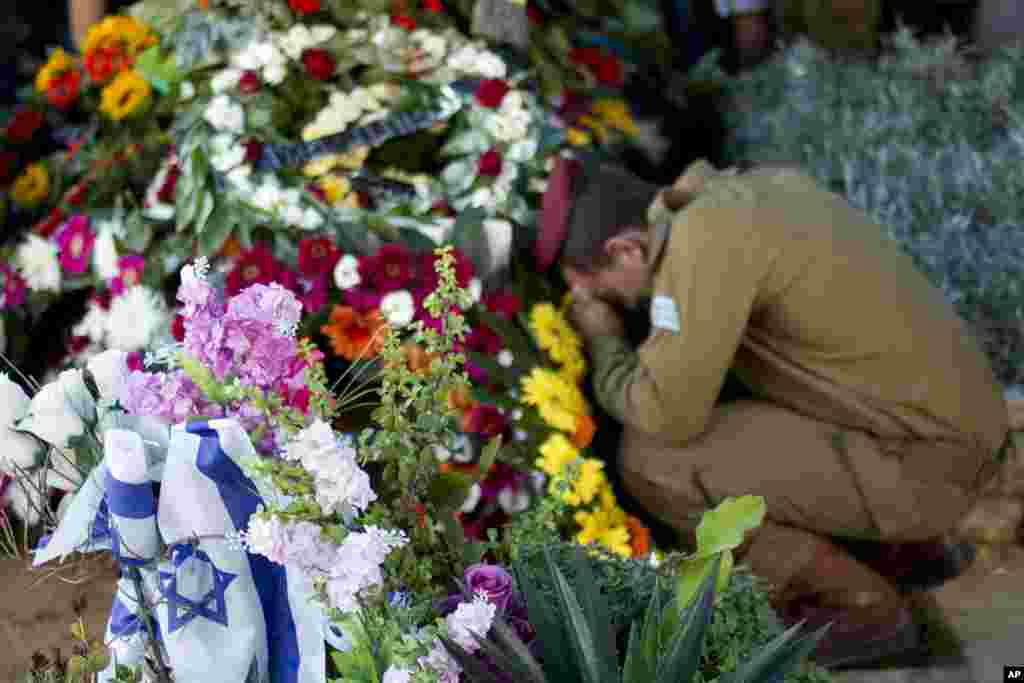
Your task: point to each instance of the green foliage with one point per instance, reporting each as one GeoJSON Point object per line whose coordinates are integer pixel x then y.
{"type": "Point", "coordinates": [578, 637]}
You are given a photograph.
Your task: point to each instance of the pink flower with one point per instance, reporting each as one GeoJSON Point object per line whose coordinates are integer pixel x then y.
{"type": "Point", "coordinates": [75, 240]}
{"type": "Point", "coordinates": [313, 294]}
{"type": "Point", "coordinates": [13, 292]}
{"type": "Point", "coordinates": [131, 267]}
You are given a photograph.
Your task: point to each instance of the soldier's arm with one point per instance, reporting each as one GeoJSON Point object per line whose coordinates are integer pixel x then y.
{"type": "Point", "coordinates": [704, 293]}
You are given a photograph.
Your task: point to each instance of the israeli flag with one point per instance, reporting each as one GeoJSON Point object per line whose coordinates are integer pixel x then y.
{"type": "Point", "coordinates": [227, 615]}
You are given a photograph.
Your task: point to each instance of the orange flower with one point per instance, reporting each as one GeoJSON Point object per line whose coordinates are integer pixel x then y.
{"type": "Point", "coordinates": [232, 248]}
{"type": "Point", "coordinates": [418, 359]}
{"type": "Point", "coordinates": [639, 536]}
{"type": "Point", "coordinates": [585, 429]}
{"type": "Point", "coordinates": [354, 335]}
{"type": "Point", "coordinates": [460, 400]}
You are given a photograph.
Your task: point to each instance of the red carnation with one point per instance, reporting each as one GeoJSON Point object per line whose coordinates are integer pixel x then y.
{"type": "Point", "coordinates": [503, 303]}
{"type": "Point", "coordinates": [256, 266]}
{"type": "Point", "coordinates": [249, 83]}
{"type": "Point", "coordinates": [609, 71]}
{"type": "Point", "coordinates": [319, 64]}
{"type": "Point", "coordinates": [405, 21]}
{"type": "Point", "coordinates": [489, 164]}
{"type": "Point", "coordinates": [24, 125]}
{"type": "Point", "coordinates": [63, 90]}
{"type": "Point", "coordinates": [433, 6]}
{"type": "Point", "coordinates": [388, 270]}
{"type": "Point", "coordinates": [304, 7]}
{"type": "Point", "coordinates": [317, 257]}
{"type": "Point", "coordinates": [491, 92]}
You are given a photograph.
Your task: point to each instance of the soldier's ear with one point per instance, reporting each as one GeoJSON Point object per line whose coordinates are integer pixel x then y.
{"type": "Point", "coordinates": [629, 247]}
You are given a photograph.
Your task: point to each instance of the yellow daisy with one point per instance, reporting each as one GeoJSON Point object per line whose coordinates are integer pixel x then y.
{"type": "Point", "coordinates": [558, 401]}
{"type": "Point", "coordinates": [120, 30]}
{"type": "Point", "coordinates": [126, 95]}
{"type": "Point", "coordinates": [589, 481]}
{"type": "Point", "coordinates": [601, 527]}
{"type": "Point", "coordinates": [574, 367]}
{"type": "Point", "coordinates": [553, 332]}
{"type": "Point", "coordinates": [557, 453]}
{"type": "Point", "coordinates": [32, 186]}
{"type": "Point", "coordinates": [59, 62]}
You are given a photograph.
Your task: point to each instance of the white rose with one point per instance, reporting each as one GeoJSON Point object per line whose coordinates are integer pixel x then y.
{"type": "Point", "coordinates": [36, 259]}
{"type": "Point", "coordinates": [104, 253]}
{"type": "Point", "coordinates": [223, 113]}
{"type": "Point", "coordinates": [226, 152]}
{"type": "Point", "coordinates": [483, 198]}
{"type": "Point", "coordinates": [322, 32]}
{"type": "Point", "coordinates": [346, 272]}
{"type": "Point", "coordinates": [398, 308]}
{"type": "Point", "coordinates": [225, 80]}
{"type": "Point", "coordinates": [110, 372]}
{"type": "Point", "coordinates": [292, 215]}
{"type": "Point", "coordinates": [476, 289]}
{"type": "Point", "coordinates": [275, 73]}
{"type": "Point", "coordinates": [17, 451]}
{"type": "Point", "coordinates": [57, 410]}
{"type": "Point", "coordinates": [93, 325]}
{"type": "Point", "coordinates": [498, 234]}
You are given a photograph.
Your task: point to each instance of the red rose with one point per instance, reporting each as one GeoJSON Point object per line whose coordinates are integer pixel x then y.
{"type": "Point", "coordinates": [104, 63]}
{"type": "Point", "coordinates": [405, 21]}
{"type": "Point", "coordinates": [319, 64]}
{"type": "Point", "coordinates": [249, 83]}
{"type": "Point", "coordinates": [304, 6]}
{"type": "Point", "coordinates": [63, 89]}
{"type": "Point", "coordinates": [491, 92]}
{"type": "Point", "coordinates": [489, 164]}
{"type": "Point", "coordinates": [178, 328]}
{"type": "Point", "coordinates": [253, 151]}
{"type": "Point", "coordinates": [24, 125]}
{"type": "Point", "coordinates": [534, 14]}
{"type": "Point", "coordinates": [317, 257]}
{"type": "Point", "coordinates": [609, 71]}
{"type": "Point", "coordinates": [433, 6]}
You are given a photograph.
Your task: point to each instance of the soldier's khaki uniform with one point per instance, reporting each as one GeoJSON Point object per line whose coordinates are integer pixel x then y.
{"type": "Point", "coordinates": [878, 416]}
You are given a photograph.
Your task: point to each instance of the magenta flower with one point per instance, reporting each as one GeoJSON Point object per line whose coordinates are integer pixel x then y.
{"type": "Point", "coordinates": [314, 294]}
{"type": "Point", "coordinates": [75, 240]}
{"type": "Point", "coordinates": [493, 581]}
{"type": "Point", "coordinates": [131, 267]}
{"type": "Point", "coordinates": [389, 269]}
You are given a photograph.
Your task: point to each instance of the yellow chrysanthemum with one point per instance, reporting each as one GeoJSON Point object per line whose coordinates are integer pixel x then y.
{"type": "Point", "coordinates": [577, 137]}
{"type": "Point", "coordinates": [126, 95]}
{"type": "Point", "coordinates": [574, 367]}
{"type": "Point", "coordinates": [120, 30]}
{"type": "Point", "coordinates": [59, 62]}
{"type": "Point", "coordinates": [558, 401]}
{"type": "Point", "coordinates": [352, 160]}
{"type": "Point", "coordinates": [616, 114]}
{"type": "Point", "coordinates": [553, 332]}
{"type": "Point", "coordinates": [32, 186]}
{"type": "Point", "coordinates": [336, 188]}
{"type": "Point", "coordinates": [557, 453]}
{"type": "Point", "coordinates": [588, 481]}
{"type": "Point", "coordinates": [602, 527]}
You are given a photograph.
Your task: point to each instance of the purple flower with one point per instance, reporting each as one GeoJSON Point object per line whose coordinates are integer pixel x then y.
{"type": "Point", "coordinates": [493, 581]}
{"type": "Point", "coordinates": [76, 239]}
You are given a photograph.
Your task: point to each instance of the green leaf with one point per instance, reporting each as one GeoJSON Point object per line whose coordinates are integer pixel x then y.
{"type": "Point", "coordinates": [459, 176]}
{"type": "Point", "coordinates": [449, 489]}
{"type": "Point", "coordinates": [550, 626]}
{"type": "Point", "coordinates": [593, 662]}
{"type": "Point", "coordinates": [776, 659]}
{"type": "Point", "coordinates": [693, 573]}
{"type": "Point", "coordinates": [217, 230]}
{"type": "Point", "coordinates": [163, 75]}
{"type": "Point", "coordinates": [683, 658]}
{"type": "Point", "coordinates": [487, 458]}
{"type": "Point", "coordinates": [207, 205]}
{"type": "Point", "coordinates": [723, 528]}
{"type": "Point", "coordinates": [472, 141]}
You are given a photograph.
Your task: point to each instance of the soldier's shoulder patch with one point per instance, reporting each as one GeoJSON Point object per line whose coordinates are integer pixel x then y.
{"type": "Point", "coordinates": [665, 314]}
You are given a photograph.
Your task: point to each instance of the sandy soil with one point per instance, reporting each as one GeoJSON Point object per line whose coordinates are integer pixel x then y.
{"type": "Point", "coordinates": [37, 608]}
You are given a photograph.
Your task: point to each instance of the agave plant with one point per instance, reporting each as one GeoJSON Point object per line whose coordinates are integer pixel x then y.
{"type": "Point", "coordinates": [578, 643]}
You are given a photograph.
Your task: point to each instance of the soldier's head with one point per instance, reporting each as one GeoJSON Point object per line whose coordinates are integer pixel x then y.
{"type": "Point", "coordinates": [605, 245]}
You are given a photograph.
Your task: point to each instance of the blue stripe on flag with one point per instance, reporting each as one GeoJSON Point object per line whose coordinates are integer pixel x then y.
{"type": "Point", "coordinates": [123, 621]}
{"type": "Point", "coordinates": [241, 500]}
{"type": "Point", "coordinates": [133, 501]}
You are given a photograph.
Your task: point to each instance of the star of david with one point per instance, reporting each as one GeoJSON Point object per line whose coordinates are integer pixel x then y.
{"type": "Point", "coordinates": [182, 610]}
